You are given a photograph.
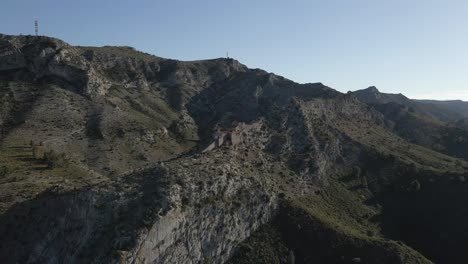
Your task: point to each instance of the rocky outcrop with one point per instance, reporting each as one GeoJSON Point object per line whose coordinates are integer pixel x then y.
{"type": "Point", "coordinates": [208, 220]}
{"type": "Point", "coordinates": [192, 210]}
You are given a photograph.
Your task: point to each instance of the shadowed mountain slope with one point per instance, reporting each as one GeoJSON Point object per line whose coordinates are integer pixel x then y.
{"type": "Point", "coordinates": [423, 123]}
{"type": "Point", "coordinates": [439, 110]}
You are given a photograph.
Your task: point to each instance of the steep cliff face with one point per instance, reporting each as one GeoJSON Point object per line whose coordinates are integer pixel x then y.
{"type": "Point", "coordinates": [101, 161]}
{"type": "Point", "coordinates": [147, 221]}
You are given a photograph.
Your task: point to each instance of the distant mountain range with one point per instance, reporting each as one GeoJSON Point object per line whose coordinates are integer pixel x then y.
{"type": "Point", "coordinates": [441, 110]}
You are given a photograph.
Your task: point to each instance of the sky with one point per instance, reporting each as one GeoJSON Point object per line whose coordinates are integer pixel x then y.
{"type": "Point", "coordinates": [415, 47]}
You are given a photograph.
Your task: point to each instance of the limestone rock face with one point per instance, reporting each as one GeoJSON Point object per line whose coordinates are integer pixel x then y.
{"type": "Point", "coordinates": [209, 229]}
{"type": "Point", "coordinates": [123, 178]}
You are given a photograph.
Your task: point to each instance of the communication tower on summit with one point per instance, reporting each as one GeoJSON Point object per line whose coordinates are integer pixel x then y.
{"type": "Point", "coordinates": [36, 27]}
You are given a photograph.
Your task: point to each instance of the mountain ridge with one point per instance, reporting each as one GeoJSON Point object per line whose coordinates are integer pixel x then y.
{"type": "Point", "coordinates": [444, 110]}
{"type": "Point", "coordinates": [101, 162]}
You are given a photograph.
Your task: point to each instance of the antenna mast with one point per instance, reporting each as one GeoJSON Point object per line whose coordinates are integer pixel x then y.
{"type": "Point", "coordinates": [36, 27]}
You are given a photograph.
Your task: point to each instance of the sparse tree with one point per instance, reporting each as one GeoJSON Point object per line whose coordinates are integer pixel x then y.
{"type": "Point", "coordinates": [414, 186]}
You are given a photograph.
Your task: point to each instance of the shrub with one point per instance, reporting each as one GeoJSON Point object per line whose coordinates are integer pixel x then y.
{"type": "Point", "coordinates": [148, 218]}
{"type": "Point", "coordinates": [414, 186]}
{"type": "Point", "coordinates": [291, 258]}
{"type": "Point", "coordinates": [54, 159]}
{"type": "Point", "coordinates": [141, 156]}
{"type": "Point", "coordinates": [357, 171]}
{"type": "Point", "coordinates": [364, 181]}
{"type": "Point", "coordinates": [38, 152]}
{"type": "Point", "coordinates": [3, 171]}
{"type": "Point", "coordinates": [207, 260]}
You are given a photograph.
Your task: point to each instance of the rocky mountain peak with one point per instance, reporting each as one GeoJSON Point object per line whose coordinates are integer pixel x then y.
{"type": "Point", "coordinates": [372, 89]}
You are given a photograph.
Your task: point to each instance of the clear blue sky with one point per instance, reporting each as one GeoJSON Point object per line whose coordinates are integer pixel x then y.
{"type": "Point", "coordinates": [416, 47]}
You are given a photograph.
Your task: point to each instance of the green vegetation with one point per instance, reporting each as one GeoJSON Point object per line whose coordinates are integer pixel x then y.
{"type": "Point", "coordinates": [265, 246]}
{"type": "Point", "coordinates": [3, 170]}
{"type": "Point", "coordinates": [383, 143]}
{"type": "Point", "coordinates": [54, 159]}
{"type": "Point", "coordinates": [341, 208]}
{"type": "Point", "coordinates": [123, 51]}
{"type": "Point", "coordinates": [24, 176]}
{"type": "Point", "coordinates": [333, 226]}
{"type": "Point", "coordinates": [207, 260]}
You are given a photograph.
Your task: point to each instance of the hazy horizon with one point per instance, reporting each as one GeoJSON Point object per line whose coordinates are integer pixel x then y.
{"type": "Point", "coordinates": [416, 48]}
